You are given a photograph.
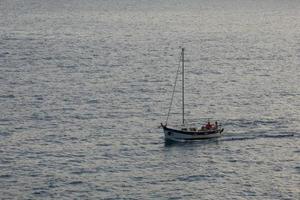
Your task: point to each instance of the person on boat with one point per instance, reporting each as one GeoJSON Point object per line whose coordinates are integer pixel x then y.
{"type": "Point", "coordinates": [216, 125]}
{"type": "Point", "coordinates": [208, 125]}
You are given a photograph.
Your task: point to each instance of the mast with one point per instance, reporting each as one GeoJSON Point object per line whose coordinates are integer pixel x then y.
{"type": "Point", "coordinates": [182, 61]}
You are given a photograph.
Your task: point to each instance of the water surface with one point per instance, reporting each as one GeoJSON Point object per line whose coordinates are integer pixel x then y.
{"type": "Point", "coordinates": [85, 84]}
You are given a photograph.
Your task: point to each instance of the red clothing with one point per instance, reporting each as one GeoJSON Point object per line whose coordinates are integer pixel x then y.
{"type": "Point", "coordinates": [208, 126]}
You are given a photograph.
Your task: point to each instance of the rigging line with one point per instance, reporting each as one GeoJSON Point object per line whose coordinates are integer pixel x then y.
{"type": "Point", "coordinates": [173, 91]}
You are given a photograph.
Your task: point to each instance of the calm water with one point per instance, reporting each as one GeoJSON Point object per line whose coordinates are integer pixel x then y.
{"type": "Point", "coordinates": [84, 85]}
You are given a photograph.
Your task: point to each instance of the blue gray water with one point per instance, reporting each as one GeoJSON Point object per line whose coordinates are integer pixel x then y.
{"type": "Point", "coordinates": [84, 85]}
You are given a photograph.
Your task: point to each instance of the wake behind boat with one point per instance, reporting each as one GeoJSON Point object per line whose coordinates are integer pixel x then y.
{"type": "Point", "coordinates": [189, 133]}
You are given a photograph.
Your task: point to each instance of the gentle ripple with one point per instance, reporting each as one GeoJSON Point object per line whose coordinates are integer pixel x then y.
{"type": "Point", "coordinates": [85, 85]}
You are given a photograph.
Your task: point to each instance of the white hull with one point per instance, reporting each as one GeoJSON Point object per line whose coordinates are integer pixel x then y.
{"type": "Point", "coordinates": [178, 135]}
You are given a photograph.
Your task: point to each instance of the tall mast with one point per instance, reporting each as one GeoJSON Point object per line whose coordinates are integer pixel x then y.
{"type": "Point", "coordinates": [182, 61]}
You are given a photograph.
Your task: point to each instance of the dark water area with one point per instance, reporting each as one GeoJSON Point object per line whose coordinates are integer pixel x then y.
{"type": "Point", "coordinates": [84, 85]}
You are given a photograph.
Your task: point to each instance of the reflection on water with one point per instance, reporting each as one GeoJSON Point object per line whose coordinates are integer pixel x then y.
{"type": "Point", "coordinates": [85, 83]}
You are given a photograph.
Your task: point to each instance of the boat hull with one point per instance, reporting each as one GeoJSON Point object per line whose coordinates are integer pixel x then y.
{"type": "Point", "coordinates": [177, 135]}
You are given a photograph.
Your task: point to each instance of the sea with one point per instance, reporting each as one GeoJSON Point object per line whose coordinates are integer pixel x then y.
{"type": "Point", "coordinates": [85, 84]}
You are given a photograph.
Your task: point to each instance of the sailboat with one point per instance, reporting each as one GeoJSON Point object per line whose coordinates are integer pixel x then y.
{"type": "Point", "coordinates": [184, 133]}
